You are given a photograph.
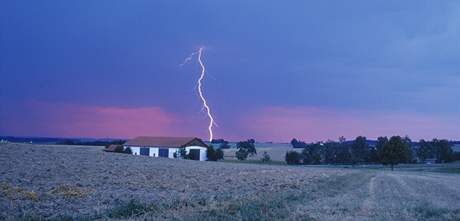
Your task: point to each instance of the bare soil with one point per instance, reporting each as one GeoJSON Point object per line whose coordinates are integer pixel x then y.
{"type": "Point", "coordinates": [85, 183]}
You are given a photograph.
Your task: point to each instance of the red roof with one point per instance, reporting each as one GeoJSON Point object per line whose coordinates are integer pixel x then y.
{"type": "Point", "coordinates": [170, 142]}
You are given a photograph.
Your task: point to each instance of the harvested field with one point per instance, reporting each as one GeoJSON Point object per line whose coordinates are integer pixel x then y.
{"type": "Point", "coordinates": [85, 183]}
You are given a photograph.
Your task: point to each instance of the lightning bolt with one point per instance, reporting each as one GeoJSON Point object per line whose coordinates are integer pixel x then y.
{"type": "Point", "coordinates": [200, 88]}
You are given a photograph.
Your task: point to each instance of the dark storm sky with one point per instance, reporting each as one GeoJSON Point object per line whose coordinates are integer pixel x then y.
{"type": "Point", "coordinates": [276, 69]}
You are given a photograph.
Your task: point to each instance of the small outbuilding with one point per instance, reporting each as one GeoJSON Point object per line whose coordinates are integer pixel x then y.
{"type": "Point", "coordinates": [168, 147]}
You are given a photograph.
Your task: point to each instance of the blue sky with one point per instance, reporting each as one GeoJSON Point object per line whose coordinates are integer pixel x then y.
{"type": "Point", "coordinates": [382, 67]}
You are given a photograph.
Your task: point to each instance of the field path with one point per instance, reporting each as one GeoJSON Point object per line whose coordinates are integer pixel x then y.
{"type": "Point", "coordinates": [369, 204]}
{"type": "Point", "coordinates": [372, 195]}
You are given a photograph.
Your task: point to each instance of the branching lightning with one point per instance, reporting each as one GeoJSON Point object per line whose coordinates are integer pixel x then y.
{"type": "Point", "coordinates": [200, 88]}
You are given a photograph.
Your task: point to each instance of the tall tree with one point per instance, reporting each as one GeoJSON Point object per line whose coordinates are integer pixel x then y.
{"type": "Point", "coordinates": [245, 148]}
{"type": "Point", "coordinates": [293, 157]}
{"type": "Point", "coordinates": [394, 151]}
{"type": "Point", "coordinates": [294, 142]}
{"type": "Point", "coordinates": [444, 152]}
{"type": "Point", "coordinates": [425, 150]}
{"type": "Point", "coordinates": [381, 141]}
{"type": "Point", "coordinates": [360, 150]}
{"type": "Point", "coordinates": [312, 154]}
{"type": "Point", "coordinates": [298, 144]}
{"type": "Point", "coordinates": [408, 155]}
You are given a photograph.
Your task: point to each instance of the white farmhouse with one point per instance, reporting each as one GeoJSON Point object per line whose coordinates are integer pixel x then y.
{"type": "Point", "coordinates": [167, 147]}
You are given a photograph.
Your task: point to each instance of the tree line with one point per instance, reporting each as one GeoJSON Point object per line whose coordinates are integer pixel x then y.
{"type": "Point", "coordinates": [388, 151]}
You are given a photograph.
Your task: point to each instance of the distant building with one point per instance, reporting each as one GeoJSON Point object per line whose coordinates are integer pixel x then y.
{"type": "Point", "coordinates": [168, 147]}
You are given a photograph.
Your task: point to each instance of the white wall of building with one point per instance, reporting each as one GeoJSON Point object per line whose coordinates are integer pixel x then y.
{"type": "Point", "coordinates": [203, 151]}
{"type": "Point", "coordinates": [153, 152]}
{"type": "Point", "coordinates": [135, 150]}
{"type": "Point", "coordinates": [172, 151]}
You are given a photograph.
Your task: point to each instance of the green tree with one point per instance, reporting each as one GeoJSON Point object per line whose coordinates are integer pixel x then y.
{"type": "Point", "coordinates": [408, 155]}
{"type": "Point", "coordinates": [248, 146]}
{"type": "Point", "coordinates": [373, 155]}
{"type": "Point", "coordinates": [381, 142]}
{"type": "Point", "coordinates": [294, 142]}
{"type": "Point", "coordinates": [241, 154]}
{"type": "Point", "coordinates": [312, 154]}
{"type": "Point", "coordinates": [219, 154]}
{"type": "Point", "coordinates": [214, 155]}
{"type": "Point", "coordinates": [444, 152]}
{"type": "Point", "coordinates": [293, 157]}
{"type": "Point", "coordinates": [266, 157]}
{"type": "Point", "coordinates": [425, 150]}
{"type": "Point", "coordinates": [394, 151]}
{"type": "Point", "coordinates": [360, 150]}
{"type": "Point", "coordinates": [330, 152]}
{"type": "Point", "coordinates": [181, 153]}
{"type": "Point", "coordinates": [298, 144]}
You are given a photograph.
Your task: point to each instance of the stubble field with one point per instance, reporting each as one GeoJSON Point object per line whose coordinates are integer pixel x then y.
{"type": "Point", "coordinates": [84, 183]}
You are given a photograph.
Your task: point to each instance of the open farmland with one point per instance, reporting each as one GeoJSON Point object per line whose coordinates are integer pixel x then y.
{"type": "Point", "coordinates": [85, 183]}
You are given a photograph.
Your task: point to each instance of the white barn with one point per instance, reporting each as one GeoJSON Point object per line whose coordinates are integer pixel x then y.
{"type": "Point", "coordinates": [167, 147]}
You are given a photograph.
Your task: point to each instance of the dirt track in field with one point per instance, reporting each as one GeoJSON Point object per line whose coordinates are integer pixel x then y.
{"type": "Point", "coordinates": [42, 181]}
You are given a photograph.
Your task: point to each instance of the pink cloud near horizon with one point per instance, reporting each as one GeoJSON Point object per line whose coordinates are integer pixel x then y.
{"type": "Point", "coordinates": [316, 124]}
{"type": "Point", "coordinates": [276, 123]}
{"type": "Point", "coordinates": [70, 120]}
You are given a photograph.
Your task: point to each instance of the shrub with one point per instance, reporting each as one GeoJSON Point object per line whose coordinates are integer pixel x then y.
{"type": "Point", "coordinates": [219, 154]}
{"type": "Point", "coordinates": [128, 150]}
{"type": "Point", "coordinates": [293, 157]}
{"type": "Point", "coordinates": [266, 157]}
{"type": "Point", "coordinates": [214, 155]}
{"type": "Point", "coordinates": [119, 149]}
{"type": "Point", "coordinates": [181, 153]}
{"type": "Point", "coordinates": [241, 154]}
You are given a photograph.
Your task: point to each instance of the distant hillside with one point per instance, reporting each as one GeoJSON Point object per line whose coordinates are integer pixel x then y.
{"type": "Point", "coordinates": [64, 141]}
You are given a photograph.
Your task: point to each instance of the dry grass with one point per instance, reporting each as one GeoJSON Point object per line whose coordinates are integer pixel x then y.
{"type": "Point", "coordinates": [14, 192]}
{"type": "Point", "coordinates": [70, 191]}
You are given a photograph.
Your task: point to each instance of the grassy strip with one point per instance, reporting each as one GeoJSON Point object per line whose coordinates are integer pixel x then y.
{"type": "Point", "coordinates": [448, 170]}
{"type": "Point", "coordinates": [439, 168]}
{"type": "Point", "coordinates": [255, 162]}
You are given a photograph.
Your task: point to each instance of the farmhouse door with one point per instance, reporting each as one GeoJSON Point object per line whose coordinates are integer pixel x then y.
{"type": "Point", "coordinates": [194, 154]}
{"type": "Point", "coordinates": [144, 151]}
{"type": "Point", "coordinates": [163, 152]}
